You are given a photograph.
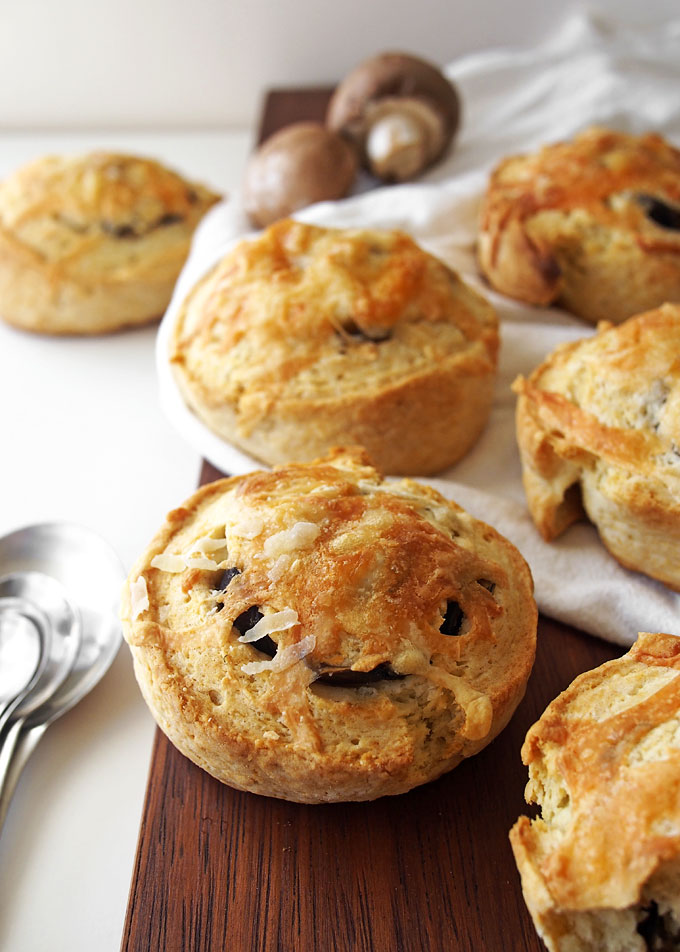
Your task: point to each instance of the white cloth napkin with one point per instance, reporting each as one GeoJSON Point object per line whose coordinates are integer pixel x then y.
{"type": "Point", "coordinates": [514, 100]}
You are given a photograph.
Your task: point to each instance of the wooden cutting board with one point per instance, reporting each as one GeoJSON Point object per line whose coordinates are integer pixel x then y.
{"type": "Point", "coordinates": [429, 871]}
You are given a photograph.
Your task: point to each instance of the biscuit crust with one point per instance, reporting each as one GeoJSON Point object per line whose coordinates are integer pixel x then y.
{"type": "Point", "coordinates": [306, 338]}
{"type": "Point", "coordinates": [399, 632]}
{"type": "Point", "coordinates": [592, 224]}
{"type": "Point", "coordinates": [598, 427]}
{"type": "Point", "coordinates": [93, 243]}
{"type": "Point", "coordinates": [600, 867]}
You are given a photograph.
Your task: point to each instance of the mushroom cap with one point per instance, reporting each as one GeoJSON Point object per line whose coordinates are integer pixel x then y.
{"type": "Point", "coordinates": [300, 164]}
{"type": "Point", "coordinates": [393, 76]}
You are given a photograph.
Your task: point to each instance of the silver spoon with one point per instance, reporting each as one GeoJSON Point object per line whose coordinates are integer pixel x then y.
{"type": "Point", "coordinates": [92, 575]}
{"type": "Point", "coordinates": [42, 602]}
{"type": "Point", "coordinates": [45, 606]}
{"type": "Point", "coordinates": [25, 640]}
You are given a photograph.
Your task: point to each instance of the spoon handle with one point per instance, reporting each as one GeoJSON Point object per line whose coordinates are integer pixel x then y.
{"type": "Point", "coordinates": [19, 743]}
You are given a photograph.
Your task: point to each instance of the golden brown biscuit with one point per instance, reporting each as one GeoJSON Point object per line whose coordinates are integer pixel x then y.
{"type": "Point", "coordinates": [93, 243]}
{"type": "Point", "coordinates": [600, 867]}
{"type": "Point", "coordinates": [598, 426]}
{"type": "Point", "coordinates": [306, 338]}
{"type": "Point", "coordinates": [316, 634]}
{"type": "Point", "coordinates": [592, 224]}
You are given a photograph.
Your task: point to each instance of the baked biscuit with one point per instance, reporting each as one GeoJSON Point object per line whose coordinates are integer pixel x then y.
{"type": "Point", "coordinates": [93, 243]}
{"type": "Point", "coordinates": [305, 338]}
{"type": "Point", "coordinates": [592, 224]}
{"type": "Point", "coordinates": [316, 634]}
{"type": "Point", "coordinates": [600, 866]}
{"type": "Point", "coordinates": [598, 426]}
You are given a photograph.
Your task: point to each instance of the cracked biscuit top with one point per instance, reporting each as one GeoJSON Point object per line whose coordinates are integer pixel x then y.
{"type": "Point", "coordinates": [592, 224]}
{"type": "Point", "coordinates": [598, 425]}
{"type": "Point", "coordinates": [90, 226]}
{"type": "Point", "coordinates": [315, 633]}
{"type": "Point", "coordinates": [304, 338]}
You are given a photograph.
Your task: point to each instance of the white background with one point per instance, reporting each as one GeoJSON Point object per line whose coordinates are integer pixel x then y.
{"type": "Point", "coordinates": [84, 63]}
{"type": "Point", "coordinates": [83, 437]}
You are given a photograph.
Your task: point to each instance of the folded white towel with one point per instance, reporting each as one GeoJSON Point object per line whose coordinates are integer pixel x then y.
{"type": "Point", "coordinates": [514, 100]}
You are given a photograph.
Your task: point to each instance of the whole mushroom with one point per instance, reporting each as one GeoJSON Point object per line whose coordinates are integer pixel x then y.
{"type": "Point", "coordinates": [400, 112]}
{"type": "Point", "coordinates": [302, 163]}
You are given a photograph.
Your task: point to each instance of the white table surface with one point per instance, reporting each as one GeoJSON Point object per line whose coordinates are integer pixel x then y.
{"type": "Point", "coordinates": [84, 440]}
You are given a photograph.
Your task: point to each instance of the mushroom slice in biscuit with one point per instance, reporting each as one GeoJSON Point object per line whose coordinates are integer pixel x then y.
{"type": "Point", "coordinates": [93, 243]}
{"type": "Point", "coordinates": [600, 866]}
{"type": "Point", "coordinates": [598, 426]}
{"type": "Point", "coordinates": [305, 338]}
{"type": "Point", "coordinates": [592, 224]}
{"type": "Point", "coordinates": [317, 634]}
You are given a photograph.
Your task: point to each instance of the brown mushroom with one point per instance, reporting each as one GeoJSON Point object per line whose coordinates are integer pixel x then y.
{"type": "Point", "coordinates": [400, 112]}
{"type": "Point", "coordinates": [298, 165]}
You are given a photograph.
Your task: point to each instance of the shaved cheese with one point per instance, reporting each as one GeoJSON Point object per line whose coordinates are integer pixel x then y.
{"type": "Point", "coordinates": [300, 536]}
{"type": "Point", "coordinates": [202, 563]}
{"type": "Point", "coordinates": [249, 527]}
{"type": "Point", "coordinates": [207, 544]}
{"type": "Point", "coordinates": [139, 597]}
{"type": "Point", "coordinates": [284, 657]}
{"type": "Point", "coordinates": [277, 621]}
{"type": "Point", "coordinates": [369, 486]}
{"type": "Point", "coordinates": [194, 557]}
{"type": "Point", "coordinates": [429, 509]}
{"type": "Point", "coordinates": [168, 563]}
{"type": "Point", "coordinates": [397, 489]}
{"type": "Point", "coordinates": [279, 568]}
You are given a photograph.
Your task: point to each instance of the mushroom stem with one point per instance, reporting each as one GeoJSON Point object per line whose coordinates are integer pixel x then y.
{"type": "Point", "coordinates": [403, 137]}
{"type": "Point", "coordinates": [395, 147]}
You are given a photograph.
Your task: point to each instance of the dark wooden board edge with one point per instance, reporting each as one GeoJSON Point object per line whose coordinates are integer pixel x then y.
{"type": "Point", "coordinates": [430, 870]}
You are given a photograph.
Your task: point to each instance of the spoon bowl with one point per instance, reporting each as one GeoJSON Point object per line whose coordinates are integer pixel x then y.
{"type": "Point", "coordinates": [92, 576]}
{"type": "Point", "coordinates": [25, 639]}
{"type": "Point", "coordinates": [47, 607]}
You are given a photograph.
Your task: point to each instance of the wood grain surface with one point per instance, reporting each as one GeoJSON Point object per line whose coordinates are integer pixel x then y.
{"type": "Point", "coordinates": [429, 871]}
